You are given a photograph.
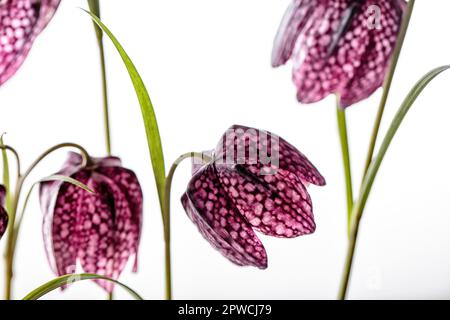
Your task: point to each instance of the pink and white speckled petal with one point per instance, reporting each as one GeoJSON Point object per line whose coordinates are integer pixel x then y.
{"type": "Point", "coordinates": [329, 51]}
{"type": "Point", "coordinates": [96, 234]}
{"type": "Point", "coordinates": [21, 21]}
{"type": "Point", "coordinates": [249, 146]}
{"type": "Point", "coordinates": [107, 233]}
{"type": "Point", "coordinates": [294, 21]}
{"type": "Point", "coordinates": [343, 47]}
{"type": "Point", "coordinates": [370, 74]}
{"type": "Point", "coordinates": [102, 230]}
{"type": "Point", "coordinates": [220, 223]}
{"type": "Point", "coordinates": [128, 184]}
{"type": "Point", "coordinates": [277, 204]}
{"type": "Point", "coordinates": [60, 227]}
{"type": "Point", "coordinates": [48, 190]}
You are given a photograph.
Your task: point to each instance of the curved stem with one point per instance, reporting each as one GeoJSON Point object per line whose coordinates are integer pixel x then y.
{"type": "Point", "coordinates": [84, 154]}
{"type": "Point", "coordinates": [11, 237]}
{"type": "Point", "coordinates": [16, 156]}
{"type": "Point", "coordinates": [387, 84]}
{"type": "Point", "coordinates": [343, 136]}
{"type": "Point", "coordinates": [166, 216]}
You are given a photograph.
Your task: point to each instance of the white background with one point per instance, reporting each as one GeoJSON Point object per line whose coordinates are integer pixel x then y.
{"type": "Point", "coordinates": [207, 66]}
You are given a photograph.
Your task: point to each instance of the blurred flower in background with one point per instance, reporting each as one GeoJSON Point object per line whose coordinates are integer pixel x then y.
{"type": "Point", "coordinates": [21, 21]}
{"type": "Point", "coordinates": [236, 193]}
{"type": "Point", "coordinates": [338, 46]}
{"type": "Point", "coordinates": [101, 230]}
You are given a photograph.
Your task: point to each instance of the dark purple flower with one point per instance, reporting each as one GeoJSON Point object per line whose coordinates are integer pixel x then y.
{"type": "Point", "coordinates": [101, 230]}
{"type": "Point", "coordinates": [21, 21]}
{"type": "Point", "coordinates": [338, 46]}
{"type": "Point", "coordinates": [3, 213]}
{"type": "Point", "coordinates": [254, 180]}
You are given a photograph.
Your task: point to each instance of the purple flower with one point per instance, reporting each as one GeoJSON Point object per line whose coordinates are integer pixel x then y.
{"type": "Point", "coordinates": [254, 180]}
{"type": "Point", "coordinates": [3, 213]}
{"type": "Point", "coordinates": [21, 21]}
{"type": "Point", "coordinates": [338, 46]}
{"type": "Point", "coordinates": [101, 230]}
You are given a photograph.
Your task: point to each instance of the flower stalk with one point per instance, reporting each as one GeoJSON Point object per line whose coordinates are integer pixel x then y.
{"type": "Point", "coordinates": [14, 228]}
{"type": "Point", "coordinates": [388, 83]}
{"type": "Point", "coordinates": [94, 7]}
{"type": "Point", "coordinates": [166, 219]}
{"type": "Point", "coordinates": [343, 137]}
{"type": "Point", "coordinates": [371, 167]}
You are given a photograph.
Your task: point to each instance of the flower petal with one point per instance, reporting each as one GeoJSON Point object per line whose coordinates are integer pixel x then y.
{"type": "Point", "coordinates": [345, 48]}
{"type": "Point", "coordinates": [209, 207]}
{"type": "Point", "coordinates": [275, 204]}
{"type": "Point", "coordinates": [370, 74]}
{"type": "Point", "coordinates": [329, 51]}
{"type": "Point", "coordinates": [61, 228]}
{"type": "Point", "coordinates": [294, 21]}
{"type": "Point", "coordinates": [49, 189]}
{"type": "Point", "coordinates": [128, 184]}
{"type": "Point", "coordinates": [248, 146]}
{"type": "Point", "coordinates": [96, 232]}
{"type": "Point", "coordinates": [21, 22]}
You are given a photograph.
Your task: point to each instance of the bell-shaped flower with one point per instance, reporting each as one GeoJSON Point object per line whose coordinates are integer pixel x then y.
{"type": "Point", "coordinates": [100, 230]}
{"type": "Point", "coordinates": [253, 180]}
{"type": "Point", "coordinates": [3, 213]}
{"type": "Point", "coordinates": [338, 46]}
{"type": "Point", "coordinates": [21, 21]}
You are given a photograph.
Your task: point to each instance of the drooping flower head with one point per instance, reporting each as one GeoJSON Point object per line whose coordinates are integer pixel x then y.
{"type": "Point", "coordinates": [21, 21]}
{"type": "Point", "coordinates": [101, 230]}
{"type": "Point", "coordinates": [338, 46]}
{"type": "Point", "coordinates": [3, 213]}
{"type": "Point", "coordinates": [254, 180]}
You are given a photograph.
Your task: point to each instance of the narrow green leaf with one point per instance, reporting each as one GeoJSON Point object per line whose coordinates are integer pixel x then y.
{"type": "Point", "coordinates": [71, 278]}
{"type": "Point", "coordinates": [395, 124]}
{"type": "Point", "coordinates": [148, 113]}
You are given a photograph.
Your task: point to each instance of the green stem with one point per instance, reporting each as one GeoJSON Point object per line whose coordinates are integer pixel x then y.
{"type": "Point", "coordinates": [387, 84]}
{"type": "Point", "coordinates": [11, 237]}
{"type": "Point", "coordinates": [166, 217]}
{"type": "Point", "coordinates": [94, 7]}
{"type": "Point", "coordinates": [372, 168]}
{"type": "Point", "coordinates": [343, 136]}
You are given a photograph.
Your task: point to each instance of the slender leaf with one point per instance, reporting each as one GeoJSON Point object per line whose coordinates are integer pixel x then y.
{"type": "Point", "coordinates": [71, 278]}
{"type": "Point", "coordinates": [148, 113]}
{"type": "Point", "coordinates": [396, 122]}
